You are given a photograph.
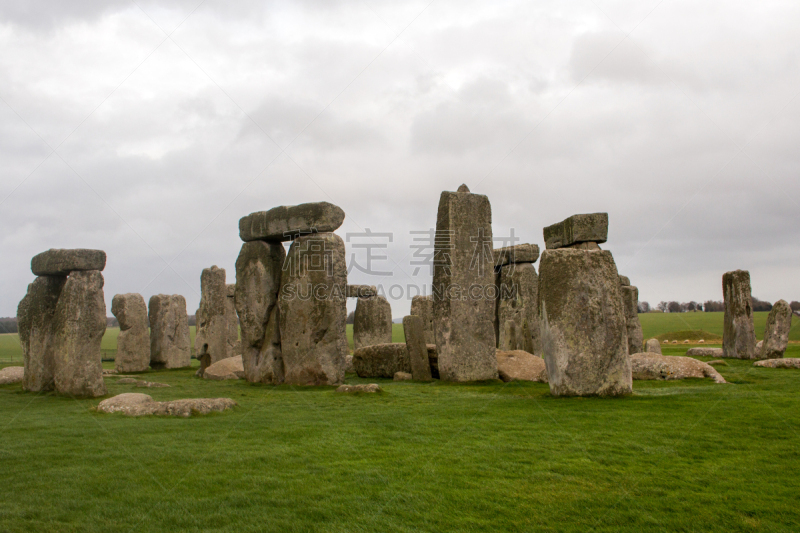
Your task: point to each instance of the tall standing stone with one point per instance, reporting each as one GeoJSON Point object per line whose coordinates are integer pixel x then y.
{"type": "Point", "coordinates": [79, 325]}
{"type": "Point", "coordinates": [414, 329]}
{"type": "Point", "coordinates": [35, 321]}
{"type": "Point", "coordinates": [776, 334]}
{"type": "Point", "coordinates": [258, 281]}
{"type": "Point", "coordinates": [133, 343]}
{"type": "Point", "coordinates": [464, 287]}
{"type": "Point", "coordinates": [169, 332]}
{"type": "Point", "coordinates": [313, 312]}
{"type": "Point", "coordinates": [372, 322]}
{"type": "Point", "coordinates": [630, 299]}
{"type": "Point", "coordinates": [517, 294]}
{"type": "Point", "coordinates": [738, 337]}
{"type": "Point", "coordinates": [212, 323]}
{"type": "Point", "coordinates": [234, 347]}
{"type": "Point", "coordinates": [422, 306]}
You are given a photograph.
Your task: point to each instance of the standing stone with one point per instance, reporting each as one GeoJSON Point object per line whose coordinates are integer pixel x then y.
{"type": "Point", "coordinates": [577, 229]}
{"type": "Point", "coordinates": [284, 223]}
{"type": "Point", "coordinates": [738, 337]}
{"type": "Point", "coordinates": [583, 325]}
{"type": "Point", "coordinates": [313, 312]}
{"type": "Point", "coordinates": [464, 287]}
{"type": "Point", "coordinates": [258, 282]}
{"type": "Point", "coordinates": [169, 332]}
{"type": "Point", "coordinates": [653, 346]}
{"type": "Point", "coordinates": [79, 325]}
{"type": "Point", "coordinates": [35, 321]}
{"type": "Point", "coordinates": [232, 320]}
{"type": "Point", "coordinates": [133, 343]}
{"type": "Point", "coordinates": [517, 294]}
{"type": "Point", "coordinates": [776, 334]}
{"type": "Point", "coordinates": [60, 262]}
{"type": "Point", "coordinates": [212, 324]}
{"type": "Point", "coordinates": [508, 335]}
{"type": "Point", "coordinates": [422, 306]}
{"type": "Point", "coordinates": [372, 322]}
{"type": "Point", "coordinates": [630, 299]}
{"type": "Point", "coordinates": [414, 329]}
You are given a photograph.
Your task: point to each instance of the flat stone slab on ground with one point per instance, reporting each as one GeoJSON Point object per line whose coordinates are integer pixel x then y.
{"type": "Point", "coordinates": [285, 223]}
{"type": "Point", "coordinates": [519, 365]}
{"type": "Point", "coordinates": [60, 262]}
{"type": "Point", "coordinates": [372, 387]}
{"type": "Point", "coordinates": [138, 404]}
{"type": "Point", "coordinates": [667, 367]}
{"type": "Point", "coordinates": [150, 385]}
{"type": "Point", "coordinates": [230, 368]}
{"type": "Point", "coordinates": [704, 352]}
{"type": "Point", "coordinates": [788, 362]}
{"type": "Point", "coordinates": [592, 227]}
{"type": "Point", "coordinates": [11, 374]}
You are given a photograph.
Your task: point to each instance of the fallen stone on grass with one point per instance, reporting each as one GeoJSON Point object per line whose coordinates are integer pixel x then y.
{"type": "Point", "coordinates": [519, 365]}
{"type": "Point", "coordinates": [719, 362]}
{"type": "Point", "coordinates": [11, 374]}
{"type": "Point", "coordinates": [789, 362]}
{"type": "Point", "coordinates": [663, 367]}
{"type": "Point", "coordinates": [138, 404]}
{"type": "Point", "coordinates": [127, 381]}
{"type": "Point", "coordinates": [372, 387]}
{"type": "Point", "coordinates": [150, 384]}
{"type": "Point", "coordinates": [109, 371]}
{"type": "Point", "coordinates": [402, 376]}
{"type": "Point", "coordinates": [230, 368]}
{"type": "Point", "coordinates": [704, 352]}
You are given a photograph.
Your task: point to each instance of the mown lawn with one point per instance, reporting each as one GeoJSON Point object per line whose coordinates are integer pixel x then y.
{"type": "Point", "coordinates": [658, 323]}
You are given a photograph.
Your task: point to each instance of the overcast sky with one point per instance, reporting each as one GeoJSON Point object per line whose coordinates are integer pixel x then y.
{"type": "Point", "coordinates": [148, 131]}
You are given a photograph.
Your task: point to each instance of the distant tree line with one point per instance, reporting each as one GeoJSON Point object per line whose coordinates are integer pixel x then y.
{"type": "Point", "coordinates": [351, 317]}
{"type": "Point", "coordinates": [8, 325]}
{"type": "Point", "coordinates": [710, 306]}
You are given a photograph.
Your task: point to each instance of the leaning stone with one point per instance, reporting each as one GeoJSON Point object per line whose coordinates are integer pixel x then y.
{"type": "Point", "coordinates": [417, 351]}
{"type": "Point", "coordinates": [60, 262]}
{"type": "Point", "coordinates": [381, 360]}
{"type": "Point", "coordinates": [652, 346]}
{"type": "Point", "coordinates": [133, 343]}
{"type": "Point", "coordinates": [79, 325]}
{"type": "Point", "coordinates": [776, 334]}
{"type": "Point", "coordinates": [361, 291]}
{"type": "Point", "coordinates": [372, 322]}
{"type": "Point", "coordinates": [517, 294]}
{"type": "Point", "coordinates": [11, 374]}
{"type": "Point", "coordinates": [788, 362]}
{"type": "Point", "coordinates": [583, 324]}
{"type": "Point", "coordinates": [738, 337]}
{"type": "Point", "coordinates": [229, 368]}
{"type": "Point", "coordinates": [519, 365]}
{"type": "Point", "coordinates": [313, 312]}
{"type": "Point", "coordinates": [286, 223]}
{"type": "Point", "coordinates": [402, 376]}
{"type": "Point", "coordinates": [372, 387]}
{"type": "Point", "coordinates": [35, 323]}
{"type": "Point", "coordinates": [704, 352]}
{"type": "Point", "coordinates": [662, 367]}
{"type": "Point", "coordinates": [519, 253]}
{"type": "Point", "coordinates": [577, 229]}
{"type": "Point", "coordinates": [422, 306]}
{"type": "Point", "coordinates": [169, 332]}
{"type": "Point", "coordinates": [464, 287]}
{"type": "Point", "coordinates": [211, 341]}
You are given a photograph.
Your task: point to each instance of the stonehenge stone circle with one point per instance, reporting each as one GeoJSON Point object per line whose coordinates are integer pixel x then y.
{"type": "Point", "coordinates": [519, 253]}
{"type": "Point", "coordinates": [583, 324]}
{"type": "Point", "coordinates": [517, 295]}
{"type": "Point", "coordinates": [60, 262]}
{"type": "Point", "coordinates": [169, 332]}
{"type": "Point", "coordinates": [653, 346]}
{"type": "Point", "coordinates": [577, 229]}
{"type": "Point", "coordinates": [285, 223]}
{"type": "Point", "coordinates": [258, 282]}
{"type": "Point", "coordinates": [776, 334]}
{"type": "Point", "coordinates": [372, 322]}
{"type": "Point", "coordinates": [382, 360]}
{"type": "Point", "coordinates": [312, 310]}
{"type": "Point", "coordinates": [211, 340]}
{"type": "Point", "coordinates": [35, 322]}
{"type": "Point", "coordinates": [133, 343]}
{"type": "Point", "coordinates": [414, 330]}
{"type": "Point", "coordinates": [463, 287]}
{"type": "Point", "coordinates": [422, 306]}
{"type": "Point", "coordinates": [630, 298]}
{"type": "Point", "coordinates": [79, 325]}
{"type": "Point", "coordinates": [738, 337]}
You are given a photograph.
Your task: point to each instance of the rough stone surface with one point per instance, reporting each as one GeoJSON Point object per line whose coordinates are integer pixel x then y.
{"type": "Point", "coordinates": [372, 323]}
{"type": "Point", "coordinates": [787, 362]}
{"type": "Point", "coordinates": [228, 368]}
{"type": "Point", "coordinates": [60, 262]}
{"type": "Point", "coordinates": [704, 352]}
{"type": "Point", "coordinates": [361, 291]}
{"type": "Point", "coordinates": [169, 332]}
{"type": "Point", "coordinates": [348, 364]}
{"type": "Point", "coordinates": [381, 360]}
{"type": "Point", "coordinates": [285, 223]}
{"type": "Point", "coordinates": [517, 294]}
{"type": "Point", "coordinates": [630, 299]}
{"type": "Point", "coordinates": [371, 387]}
{"type": "Point", "coordinates": [433, 357]}
{"type": "Point", "coordinates": [776, 334]}
{"type": "Point", "coordinates": [12, 374]}
{"type": "Point", "coordinates": [624, 281]}
{"type": "Point", "coordinates": [519, 253]}
{"type": "Point", "coordinates": [402, 376]}
{"type": "Point", "coordinates": [414, 330]}
{"type": "Point", "coordinates": [258, 281]}
{"type": "Point", "coordinates": [663, 367]}
{"type": "Point", "coordinates": [577, 229]}
{"type": "Point", "coordinates": [211, 341]}
{"type": "Point", "coordinates": [464, 288]}
{"type": "Point", "coordinates": [234, 344]}
{"type": "Point", "coordinates": [519, 365]}
{"type": "Point", "coordinates": [738, 337]}
{"type": "Point", "coordinates": [759, 346]}
{"type": "Point", "coordinates": [312, 308]}
{"type": "Point", "coordinates": [583, 324]}
{"type": "Point", "coordinates": [422, 306]}
{"type": "Point", "coordinates": [79, 325]}
{"type": "Point", "coordinates": [652, 346]}
{"type": "Point", "coordinates": [138, 404]}
{"type": "Point", "coordinates": [35, 323]}
{"type": "Point", "coordinates": [133, 343]}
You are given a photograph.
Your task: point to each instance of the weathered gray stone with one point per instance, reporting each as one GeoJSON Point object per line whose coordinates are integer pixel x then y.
{"type": "Point", "coordinates": [12, 374]}
{"type": "Point", "coordinates": [759, 346]}
{"type": "Point", "coordinates": [517, 294]}
{"type": "Point", "coordinates": [169, 332]}
{"type": "Point", "coordinates": [258, 281]}
{"type": "Point", "coordinates": [422, 306]}
{"type": "Point", "coordinates": [211, 340]}
{"type": "Point", "coordinates": [35, 323]}
{"type": "Point", "coordinates": [414, 330]}
{"type": "Point", "coordinates": [234, 344]}
{"type": "Point", "coordinates": [738, 337]}
{"type": "Point", "coordinates": [464, 291]}
{"type": "Point", "coordinates": [704, 352]}
{"type": "Point", "coordinates": [60, 262]}
{"type": "Point", "coordinates": [653, 346]}
{"type": "Point", "coordinates": [630, 299]}
{"type": "Point", "coordinates": [133, 343]}
{"type": "Point", "coordinates": [662, 367]}
{"type": "Point", "coordinates": [786, 362]}
{"type": "Point", "coordinates": [348, 364]}
{"type": "Point", "coordinates": [285, 223]}
{"type": "Point", "coordinates": [79, 325]}
{"type": "Point", "coordinates": [361, 291]}
{"type": "Point", "coordinates": [382, 360]}
{"type": "Point", "coordinates": [371, 387]}
{"type": "Point", "coordinates": [228, 368]}
{"type": "Point", "coordinates": [312, 308]}
{"type": "Point", "coordinates": [433, 357]}
{"type": "Point", "coordinates": [519, 253]}
{"type": "Point", "coordinates": [776, 334]}
{"type": "Point", "coordinates": [583, 325]}
{"type": "Point", "coordinates": [519, 365]}
{"type": "Point", "coordinates": [402, 376]}
{"type": "Point", "coordinates": [624, 281]}
{"type": "Point", "coordinates": [577, 229]}
{"type": "Point", "coordinates": [138, 404]}
{"type": "Point", "coordinates": [150, 385]}
{"type": "Point", "coordinates": [372, 322]}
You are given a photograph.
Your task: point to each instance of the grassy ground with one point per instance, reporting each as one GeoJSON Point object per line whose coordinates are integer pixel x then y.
{"type": "Point", "coordinates": [654, 324]}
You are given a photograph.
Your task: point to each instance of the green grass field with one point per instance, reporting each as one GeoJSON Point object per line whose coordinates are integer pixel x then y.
{"type": "Point", "coordinates": [676, 456]}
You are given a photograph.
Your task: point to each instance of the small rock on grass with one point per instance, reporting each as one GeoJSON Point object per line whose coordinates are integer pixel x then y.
{"type": "Point", "coordinates": [372, 387]}
{"type": "Point", "coordinates": [11, 374]}
{"type": "Point", "coordinates": [402, 376]}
